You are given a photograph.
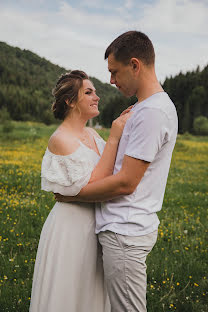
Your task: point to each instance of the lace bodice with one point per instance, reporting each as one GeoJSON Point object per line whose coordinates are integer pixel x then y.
{"type": "Point", "coordinates": [68, 174]}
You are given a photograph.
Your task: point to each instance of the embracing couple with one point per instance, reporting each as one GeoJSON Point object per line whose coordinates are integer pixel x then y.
{"type": "Point", "coordinates": [94, 243]}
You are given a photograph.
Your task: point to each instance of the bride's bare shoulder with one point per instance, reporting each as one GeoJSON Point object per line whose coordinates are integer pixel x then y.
{"type": "Point", "coordinates": [93, 132]}
{"type": "Point", "coordinates": [62, 143]}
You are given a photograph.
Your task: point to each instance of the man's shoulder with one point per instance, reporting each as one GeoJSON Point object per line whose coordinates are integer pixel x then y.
{"type": "Point", "coordinates": [158, 104]}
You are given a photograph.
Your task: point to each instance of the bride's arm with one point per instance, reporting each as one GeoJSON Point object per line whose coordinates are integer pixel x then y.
{"type": "Point", "coordinates": [106, 163]}
{"type": "Point", "coordinates": [122, 183]}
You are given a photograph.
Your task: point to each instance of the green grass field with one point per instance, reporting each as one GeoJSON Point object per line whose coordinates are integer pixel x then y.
{"type": "Point", "coordinates": [177, 265]}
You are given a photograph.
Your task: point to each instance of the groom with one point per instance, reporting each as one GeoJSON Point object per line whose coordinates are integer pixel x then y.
{"type": "Point", "coordinates": [127, 222]}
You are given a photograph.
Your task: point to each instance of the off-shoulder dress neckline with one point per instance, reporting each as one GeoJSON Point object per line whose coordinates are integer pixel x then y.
{"type": "Point", "coordinates": [77, 150]}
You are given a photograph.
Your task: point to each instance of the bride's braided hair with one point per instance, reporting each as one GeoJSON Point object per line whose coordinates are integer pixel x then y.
{"type": "Point", "coordinates": [67, 91]}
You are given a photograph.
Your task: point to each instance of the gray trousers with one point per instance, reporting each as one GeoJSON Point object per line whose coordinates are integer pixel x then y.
{"type": "Point", "coordinates": [125, 269]}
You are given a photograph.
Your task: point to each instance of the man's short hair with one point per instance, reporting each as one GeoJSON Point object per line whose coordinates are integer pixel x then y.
{"type": "Point", "coordinates": [132, 44]}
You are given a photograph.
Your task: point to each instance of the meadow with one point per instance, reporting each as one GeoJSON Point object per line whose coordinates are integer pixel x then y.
{"type": "Point", "coordinates": [177, 265]}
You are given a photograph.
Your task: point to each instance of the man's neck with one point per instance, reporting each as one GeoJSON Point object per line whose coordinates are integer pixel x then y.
{"type": "Point", "coordinates": [147, 93]}
{"type": "Point", "coordinates": [148, 85]}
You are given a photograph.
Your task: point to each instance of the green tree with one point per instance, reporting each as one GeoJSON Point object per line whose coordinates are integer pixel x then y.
{"type": "Point", "coordinates": [201, 125]}
{"type": "Point", "coordinates": [4, 115]}
{"type": "Point", "coordinates": [186, 122]}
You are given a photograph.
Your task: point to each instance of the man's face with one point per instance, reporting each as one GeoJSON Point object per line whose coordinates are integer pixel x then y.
{"type": "Point", "coordinates": [121, 76]}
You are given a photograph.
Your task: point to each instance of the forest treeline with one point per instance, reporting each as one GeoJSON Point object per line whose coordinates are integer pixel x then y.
{"type": "Point", "coordinates": [26, 82]}
{"type": "Point", "coordinates": [189, 92]}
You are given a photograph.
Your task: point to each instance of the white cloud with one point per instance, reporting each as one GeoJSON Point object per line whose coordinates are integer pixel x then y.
{"type": "Point", "coordinates": [93, 3]}
{"type": "Point", "coordinates": [128, 4]}
{"type": "Point", "coordinates": [59, 42]}
{"type": "Point", "coordinates": [89, 21]}
{"type": "Point", "coordinates": [76, 37]}
{"type": "Point", "coordinates": [180, 16]}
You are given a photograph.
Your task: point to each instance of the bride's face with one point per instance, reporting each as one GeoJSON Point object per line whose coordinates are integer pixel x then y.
{"type": "Point", "coordinates": [88, 100]}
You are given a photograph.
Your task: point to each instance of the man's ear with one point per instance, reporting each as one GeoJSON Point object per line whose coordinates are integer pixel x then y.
{"type": "Point", "coordinates": [135, 64]}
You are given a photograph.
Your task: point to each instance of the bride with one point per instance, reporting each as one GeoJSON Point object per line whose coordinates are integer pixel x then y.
{"type": "Point", "coordinates": [68, 274]}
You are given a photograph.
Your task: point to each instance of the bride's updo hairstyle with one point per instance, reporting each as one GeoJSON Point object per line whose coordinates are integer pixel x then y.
{"type": "Point", "coordinates": [66, 92]}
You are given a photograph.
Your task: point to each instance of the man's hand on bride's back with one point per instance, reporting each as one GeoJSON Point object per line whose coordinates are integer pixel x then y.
{"type": "Point", "coordinates": [65, 199]}
{"type": "Point", "coordinates": [119, 123]}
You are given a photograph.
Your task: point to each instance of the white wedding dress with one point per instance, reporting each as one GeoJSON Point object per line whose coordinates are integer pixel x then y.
{"type": "Point", "coordinates": [68, 275]}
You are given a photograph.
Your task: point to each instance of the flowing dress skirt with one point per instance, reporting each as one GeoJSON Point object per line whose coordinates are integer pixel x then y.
{"type": "Point", "coordinates": [68, 275]}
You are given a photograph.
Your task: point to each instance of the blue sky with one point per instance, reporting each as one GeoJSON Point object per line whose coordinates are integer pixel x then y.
{"type": "Point", "coordinates": [75, 34]}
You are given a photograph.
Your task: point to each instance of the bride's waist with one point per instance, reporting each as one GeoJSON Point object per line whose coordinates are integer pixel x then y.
{"type": "Point", "coordinates": [73, 214]}
{"type": "Point", "coordinates": [75, 206]}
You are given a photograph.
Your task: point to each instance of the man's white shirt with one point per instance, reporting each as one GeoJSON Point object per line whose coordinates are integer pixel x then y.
{"type": "Point", "coordinates": [149, 135]}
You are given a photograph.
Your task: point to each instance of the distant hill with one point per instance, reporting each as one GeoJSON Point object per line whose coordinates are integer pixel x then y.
{"type": "Point", "coordinates": [26, 81]}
